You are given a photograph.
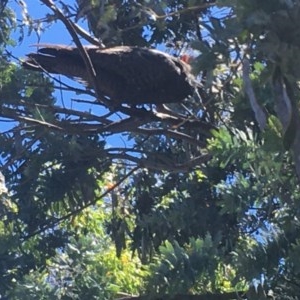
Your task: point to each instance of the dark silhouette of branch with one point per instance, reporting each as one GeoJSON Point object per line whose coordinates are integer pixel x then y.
{"type": "Point", "coordinates": [83, 33]}
{"type": "Point", "coordinates": [88, 122]}
{"type": "Point", "coordinates": [3, 5]}
{"type": "Point", "coordinates": [160, 162]}
{"type": "Point", "coordinates": [171, 133]}
{"type": "Point", "coordinates": [153, 15]}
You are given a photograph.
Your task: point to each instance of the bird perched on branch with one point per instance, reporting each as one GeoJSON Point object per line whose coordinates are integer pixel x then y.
{"type": "Point", "coordinates": [124, 74]}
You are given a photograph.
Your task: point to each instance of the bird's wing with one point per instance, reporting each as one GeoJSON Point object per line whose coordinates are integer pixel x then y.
{"type": "Point", "coordinates": [144, 66]}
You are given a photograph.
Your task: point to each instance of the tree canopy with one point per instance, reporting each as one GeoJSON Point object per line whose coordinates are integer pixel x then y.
{"type": "Point", "coordinates": [199, 202]}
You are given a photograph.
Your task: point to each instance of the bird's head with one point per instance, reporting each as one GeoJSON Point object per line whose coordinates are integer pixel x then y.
{"type": "Point", "coordinates": [186, 58]}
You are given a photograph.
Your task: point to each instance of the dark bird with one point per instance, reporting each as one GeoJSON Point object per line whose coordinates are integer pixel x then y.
{"type": "Point", "coordinates": [131, 75]}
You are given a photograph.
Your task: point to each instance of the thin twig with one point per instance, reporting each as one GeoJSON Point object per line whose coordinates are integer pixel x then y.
{"type": "Point", "coordinates": [83, 33]}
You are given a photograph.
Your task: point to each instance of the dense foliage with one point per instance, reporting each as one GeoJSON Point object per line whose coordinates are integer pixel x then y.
{"type": "Point", "coordinates": [102, 204]}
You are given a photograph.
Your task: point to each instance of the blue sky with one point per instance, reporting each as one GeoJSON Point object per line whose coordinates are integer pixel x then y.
{"type": "Point", "coordinates": [54, 34]}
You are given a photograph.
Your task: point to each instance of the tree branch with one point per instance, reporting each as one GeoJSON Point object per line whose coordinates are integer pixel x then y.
{"type": "Point", "coordinates": [257, 109]}
{"type": "Point", "coordinates": [288, 114]}
{"type": "Point", "coordinates": [160, 162]}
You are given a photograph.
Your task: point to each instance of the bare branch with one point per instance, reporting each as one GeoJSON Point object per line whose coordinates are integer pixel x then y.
{"type": "Point", "coordinates": [283, 105]}
{"type": "Point", "coordinates": [83, 33]}
{"type": "Point", "coordinates": [163, 162]}
{"type": "Point", "coordinates": [170, 133]}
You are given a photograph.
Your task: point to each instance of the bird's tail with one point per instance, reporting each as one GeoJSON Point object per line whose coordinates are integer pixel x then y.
{"type": "Point", "coordinates": [57, 60]}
